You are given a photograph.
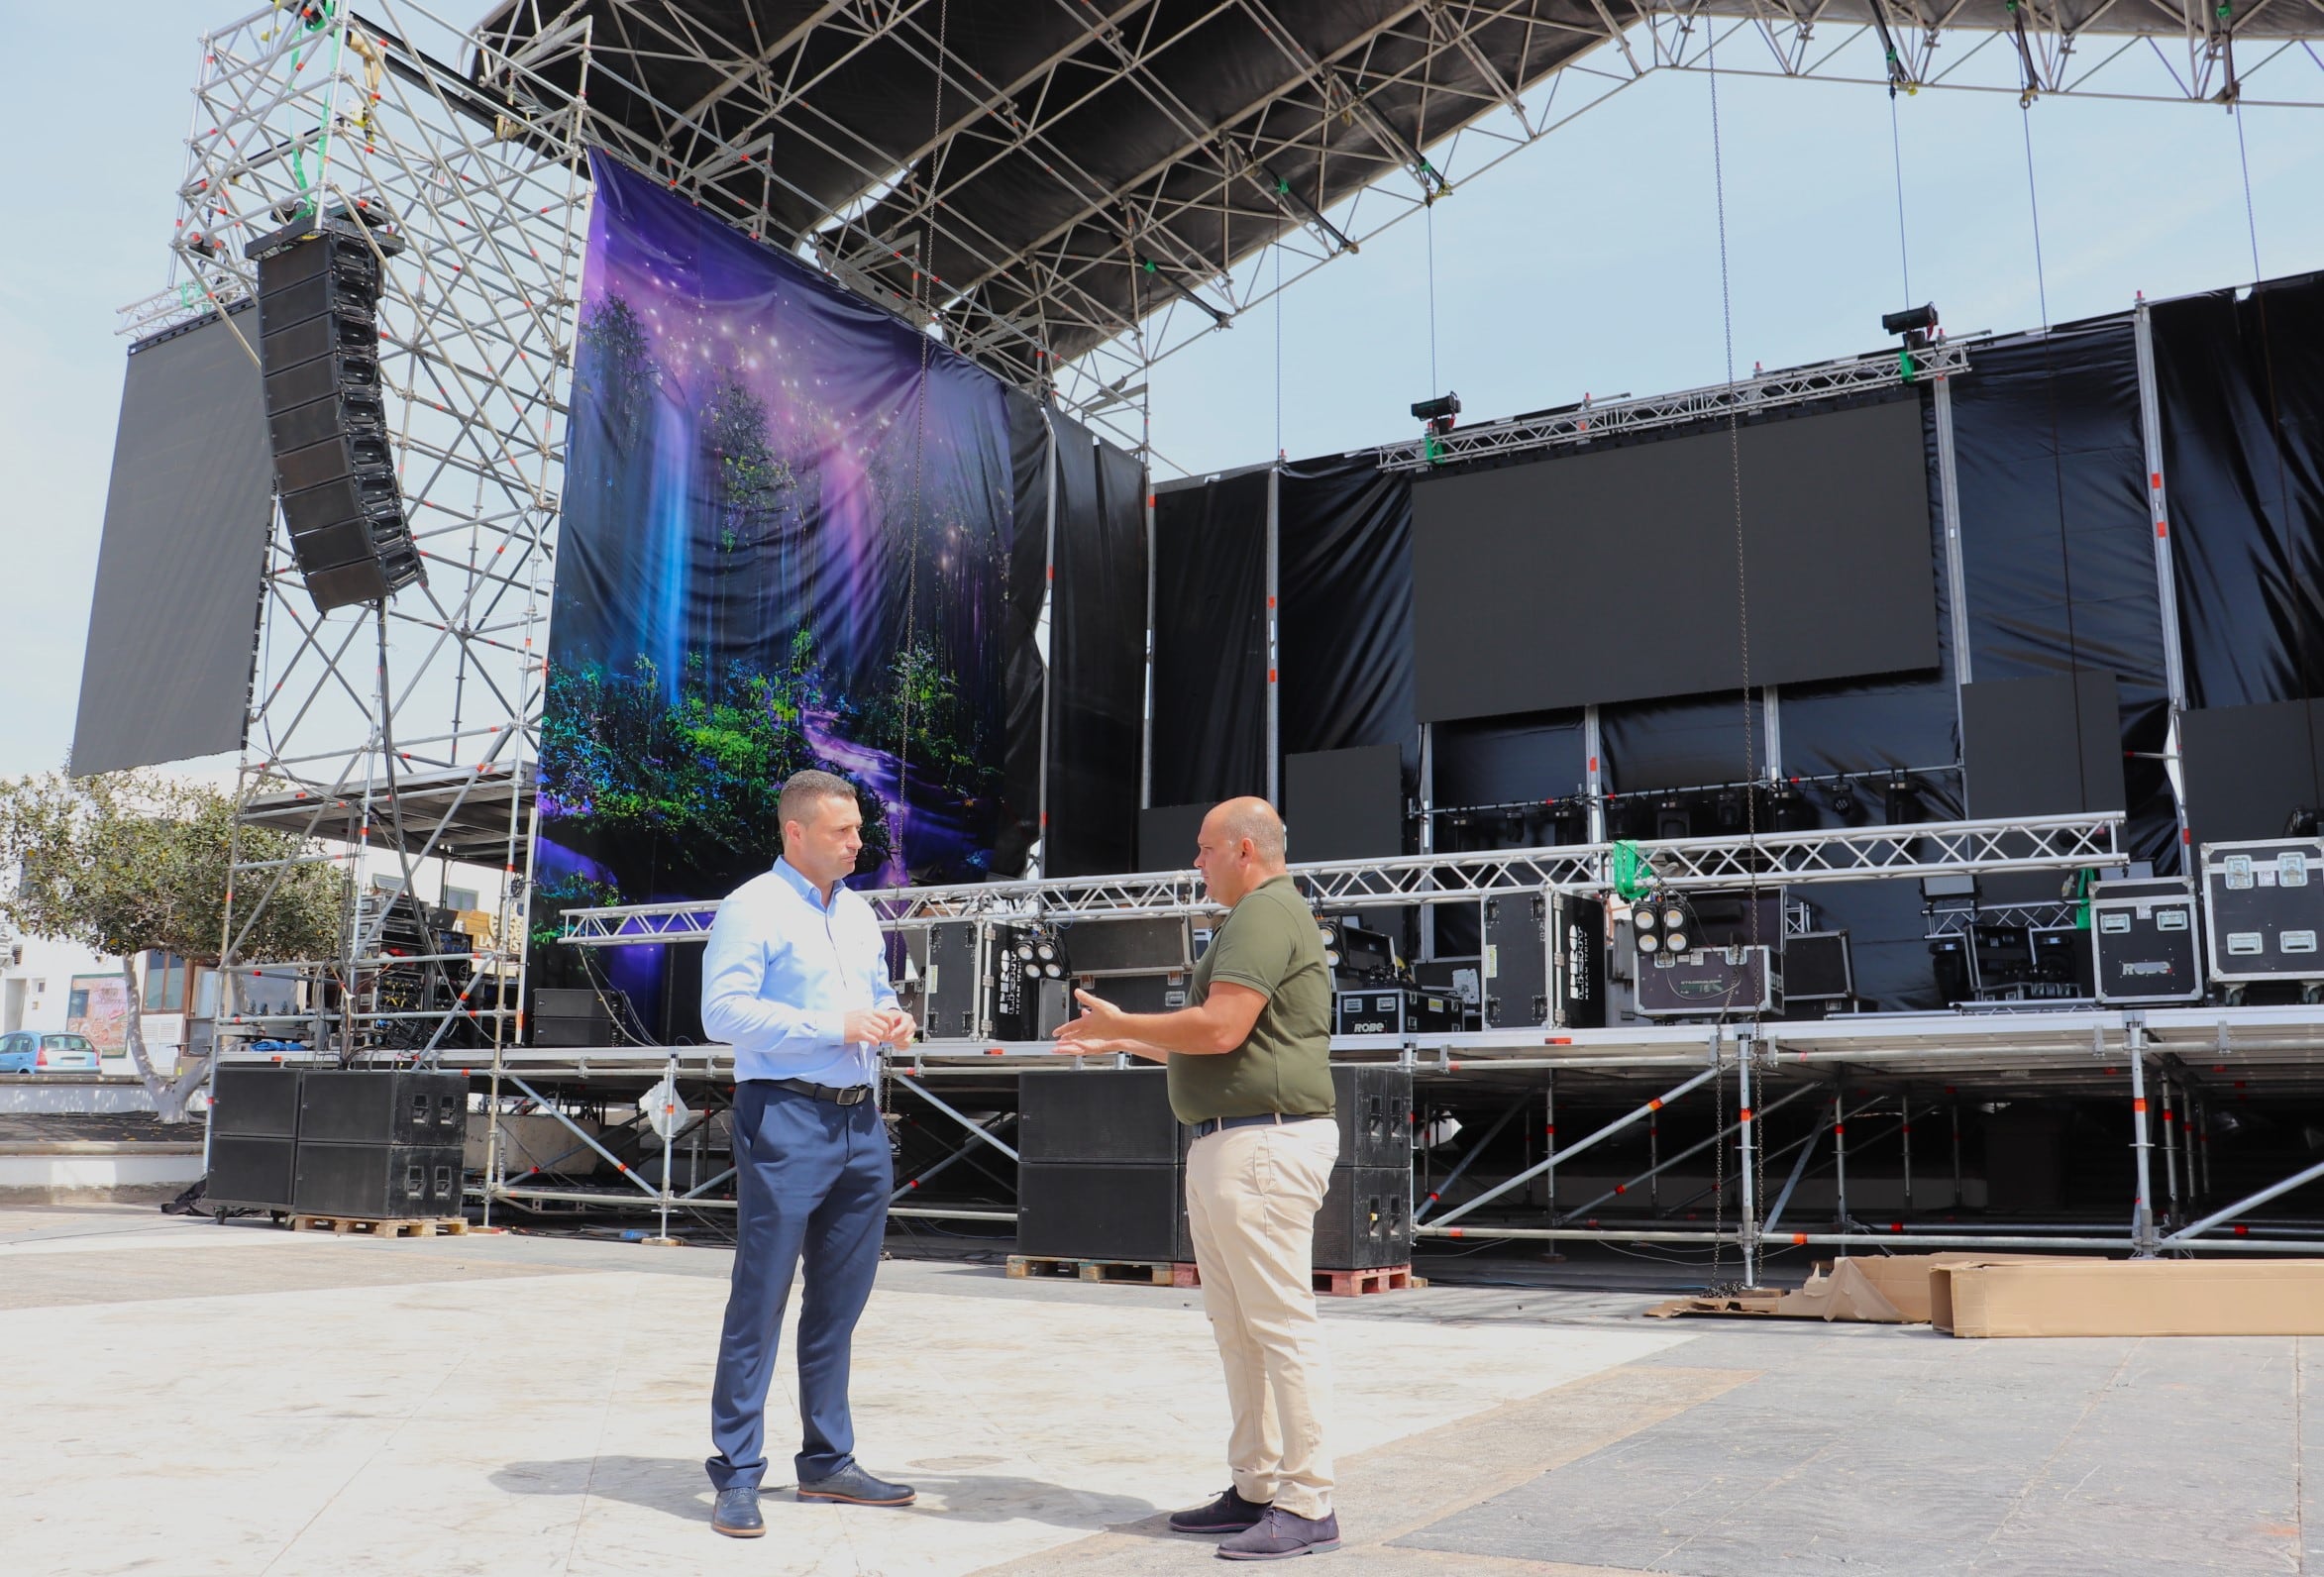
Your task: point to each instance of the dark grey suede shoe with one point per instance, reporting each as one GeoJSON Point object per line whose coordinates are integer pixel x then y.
{"type": "Point", "coordinates": [1279, 1535]}
{"type": "Point", "coordinates": [1228, 1514]}
{"type": "Point", "coordinates": [737, 1513]}
{"type": "Point", "coordinates": [851, 1486]}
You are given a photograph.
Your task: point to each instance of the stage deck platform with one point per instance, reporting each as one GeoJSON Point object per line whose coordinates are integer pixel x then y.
{"type": "Point", "coordinates": [199, 1398]}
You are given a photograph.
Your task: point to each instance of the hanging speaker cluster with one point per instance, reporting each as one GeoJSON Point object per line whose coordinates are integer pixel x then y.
{"type": "Point", "coordinates": [326, 419]}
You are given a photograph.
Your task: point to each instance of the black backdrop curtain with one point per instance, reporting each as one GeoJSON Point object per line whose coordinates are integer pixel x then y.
{"type": "Point", "coordinates": [1344, 588]}
{"type": "Point", "coordinates": [1211, 640]}
{"type": "Point", "coordinates": [1027, 681]}
{"type": "Point", "coordinates": [1097, 646]}
{"type": "Point", "coordinates": [2242, 389]}
{"type": "Point", "coordinates": [2057, 538]}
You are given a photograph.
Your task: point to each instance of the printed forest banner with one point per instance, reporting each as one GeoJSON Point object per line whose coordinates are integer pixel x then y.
{"type": "Point", "coordinates": [786, 530]}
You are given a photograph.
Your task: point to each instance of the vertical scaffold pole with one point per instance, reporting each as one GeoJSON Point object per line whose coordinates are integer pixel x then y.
{"type": "Point", "coordinates": [1746, 1230]}
{"type": "Point", "coordinates": [2142, 1211]}
{"type": "Point", "coordinates": [2170, 1147]}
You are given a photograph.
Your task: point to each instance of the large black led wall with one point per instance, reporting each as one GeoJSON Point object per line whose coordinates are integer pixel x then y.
{"type": "Point", "coordinates": [1611, 575]}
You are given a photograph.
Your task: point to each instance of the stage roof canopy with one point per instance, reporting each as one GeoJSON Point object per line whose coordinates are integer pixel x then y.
{"type": "Point", "coordinates": [1090, 161]}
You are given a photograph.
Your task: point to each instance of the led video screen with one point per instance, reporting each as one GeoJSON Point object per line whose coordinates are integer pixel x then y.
{"type": "Point", "coordinates": [1612, 574]}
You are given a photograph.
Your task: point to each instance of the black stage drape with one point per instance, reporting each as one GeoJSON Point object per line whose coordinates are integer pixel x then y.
{"type": "Point", "coordinates": [1027, 681]}
{"type": "Point", "coordinates": [1096, 645]}
{"type": "Point", "coordinates": [1211, 640]}
{"type": "Point", "coordinates": [2242, 386]}
{"type": "Point", "coordinates": [1344, 585]}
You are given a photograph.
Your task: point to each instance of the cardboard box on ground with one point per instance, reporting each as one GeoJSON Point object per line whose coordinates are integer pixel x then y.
{"type": "Point", "coordinates": [2034, 1295]}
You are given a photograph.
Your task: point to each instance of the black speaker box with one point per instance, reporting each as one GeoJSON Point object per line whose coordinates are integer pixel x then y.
{"type": "Point", "coordinates": [1343, 804]}
{"type": "Point", "coordinates": [1366, 1220]}
{"type": "Point", "coordinates": [1102, 1211]}
{"type": "Point", "coordinates": [260, 1101]}
{"type": "Point", "coordinates": [248, 1172]}
{"type": "Point", "coordinates": [1374, 1104]}
{"type": "Point", "coordinates": [1167, 834]}
{"type": "Point", "coordinates": [1096, 1116]}
{"type": "Point", "coordinates": [570, 1016]}
{"type": "Point", "coordinates": [398, 1106]}
{"type": "Point", "coordinates": [377, 1182]}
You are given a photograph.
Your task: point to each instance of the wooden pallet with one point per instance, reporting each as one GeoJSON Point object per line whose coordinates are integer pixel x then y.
{"type": "Point", "coordinates": [1334, 1282]}
{"type": "Point", "coordinates": [415, 1227]}
{"type": "Point", "coordinates": [1142, 1273]}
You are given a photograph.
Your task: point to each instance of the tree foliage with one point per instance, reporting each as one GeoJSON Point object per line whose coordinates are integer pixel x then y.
{"type": "Point", "coordinates": [130, 861]}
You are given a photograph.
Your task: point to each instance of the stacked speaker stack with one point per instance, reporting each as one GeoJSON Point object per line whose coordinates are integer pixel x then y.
{"type": "Point", "coordinates": [363, 1145]}
{"type": "Point", "coordinates": [326, 417]}
{"type": "Point", "coordinates": [1102, 1170]}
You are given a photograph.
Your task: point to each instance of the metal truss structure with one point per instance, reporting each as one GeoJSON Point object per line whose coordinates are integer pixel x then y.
{"type": "Point", "coordinates": [1845, 854]}
{"type": "Point", "coordinates": [1746, 397]}
{"type": "Point", "coordinates": [387, 739]}
{"type": "Point", "coordinates": [1075, 197]}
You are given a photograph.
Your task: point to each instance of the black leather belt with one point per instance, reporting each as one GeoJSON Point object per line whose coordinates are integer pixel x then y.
{"type": "Point", "coordinates": [1269, 1119]}
{"type": "Point", "coordinates": [840, 1095]}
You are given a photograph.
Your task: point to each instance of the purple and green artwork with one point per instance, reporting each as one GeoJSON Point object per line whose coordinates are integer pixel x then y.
{"type": "Point", "coordinates": [786, 533]}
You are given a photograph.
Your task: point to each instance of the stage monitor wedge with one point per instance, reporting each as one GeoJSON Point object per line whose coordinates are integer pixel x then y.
{"type": "Point", "coordinates": [1344, 804]}
{"type": "Point", "coordinates": [1611, 575]}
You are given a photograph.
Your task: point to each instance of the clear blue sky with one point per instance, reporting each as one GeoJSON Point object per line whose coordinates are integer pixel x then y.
{"type": "Point", "coordinates": [1586, 265]}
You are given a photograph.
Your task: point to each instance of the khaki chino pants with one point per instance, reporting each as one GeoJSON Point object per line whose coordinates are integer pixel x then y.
{"type": "Point", "coordinates": [1252, 1196]}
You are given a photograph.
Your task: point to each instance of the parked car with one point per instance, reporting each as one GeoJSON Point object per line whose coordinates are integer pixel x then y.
{"type": "Point", "coordinates": [27, 1052]}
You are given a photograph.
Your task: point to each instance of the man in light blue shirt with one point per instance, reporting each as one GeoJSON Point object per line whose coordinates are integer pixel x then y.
{"type": "Point", "coordinates": [795, 977]}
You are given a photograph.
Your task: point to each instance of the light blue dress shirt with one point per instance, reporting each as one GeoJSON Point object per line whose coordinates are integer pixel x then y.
{"type": "Point", "coordinates": [782, 972]}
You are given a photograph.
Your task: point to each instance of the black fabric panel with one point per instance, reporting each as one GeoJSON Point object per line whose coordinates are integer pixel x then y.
{"type": "Point", "coordinates": [1025, 677]}
{"type": "Point", "coordinates": [1887, 944]}
{"type": "Point", "coordinates": [1167, 835]}
{"type": "Point", "coordinates": [2057, 538]}
{"type": "Point", "coordinates": [1097, 636]}
{"type": "Point", "coordinates": [1657, 745]}
{"type": "Point", "coordinates": [1344, 588]}
{"type": "Point", "coordinates": [173, 625]}
{"type": "Point", "coordinates": [1504, 760]}
{"type": "Point", "coordinates": [2241, 383]}
{"type": "Point", "coordinates": [1344, 804]}
{"type": "Point", "coordinates": [1211, 640]}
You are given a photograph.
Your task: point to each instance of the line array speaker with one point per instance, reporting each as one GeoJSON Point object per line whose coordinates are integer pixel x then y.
{"type": "Point", "coordinates": [326, 419]}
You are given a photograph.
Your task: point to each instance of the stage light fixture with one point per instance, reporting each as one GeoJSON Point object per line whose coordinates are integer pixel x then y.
{"type": "Point", "coordinates": [1649, 941]}
{"type": "Point", "coordinates": [1900, 800]}
{"type": "Point", "coordinates": [1045, 950]}
{"type": "Point", "coordinates": [1922, 318]}
{"type": "Point", "coordinates": [1032, 972]}
{"type": "Point", "coordinates": [1024, 950]}
{"type": "Point", "coordinates": [1438, 412]}
{"type": "Point", "coordinates": [1674, 917]}
{"type": "Point", "coordinates": [1053, 971]}
{"type": "Point", "coordinates": [1643, 917]}
{"type": "Point", "coordinates": [1676, 941]}
{"type": "Point", "coordinates": [1844, 800]}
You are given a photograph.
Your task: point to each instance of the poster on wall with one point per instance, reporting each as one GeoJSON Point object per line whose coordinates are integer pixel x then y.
{"type": "Point", "coordinates": [785, 538]}
{"type": "Point", "coordinates": [98, 1007]}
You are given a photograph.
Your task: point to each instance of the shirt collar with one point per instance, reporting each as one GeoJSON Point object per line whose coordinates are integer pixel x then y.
{"type": "Point", "coordinates": [798, 882]}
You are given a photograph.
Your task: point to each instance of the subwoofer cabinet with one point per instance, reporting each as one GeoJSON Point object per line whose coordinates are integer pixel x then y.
{"type": "Point", "coordinates": [250, 1172]}
{"type": "Point", "coordinates": [377, 1182]}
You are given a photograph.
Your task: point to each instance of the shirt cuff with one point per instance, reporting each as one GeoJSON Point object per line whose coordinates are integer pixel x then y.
{"type": "Point", "coordinates": [834, 1024]}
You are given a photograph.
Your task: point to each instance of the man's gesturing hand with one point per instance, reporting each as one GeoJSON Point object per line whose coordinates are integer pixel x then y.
{"type": "Point", "coordinates": [1100, 1021]}
{"type": "Point", "coordinates": [879, 1027]}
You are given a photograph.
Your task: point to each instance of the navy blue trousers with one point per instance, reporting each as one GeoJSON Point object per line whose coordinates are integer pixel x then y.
{"type": "Point", "coordinates": [813, 1178]}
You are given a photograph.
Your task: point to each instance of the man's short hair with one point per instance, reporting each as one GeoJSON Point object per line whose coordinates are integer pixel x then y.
{"type": "Point", "coordinates": [804, 791]}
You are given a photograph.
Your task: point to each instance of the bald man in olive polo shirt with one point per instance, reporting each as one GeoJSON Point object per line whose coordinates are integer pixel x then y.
{"type": "Point", "coordinates": [1251, 1070]}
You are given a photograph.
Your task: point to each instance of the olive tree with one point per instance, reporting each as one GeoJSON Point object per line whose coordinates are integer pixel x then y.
{"type": "Point", "coordinates": [126, 863]}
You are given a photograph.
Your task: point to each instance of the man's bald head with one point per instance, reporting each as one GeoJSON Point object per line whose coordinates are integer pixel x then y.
{"type": "Point", "coordinates": [1240, 845]}
{"type": "Point", "coordinates": [1254, 819]}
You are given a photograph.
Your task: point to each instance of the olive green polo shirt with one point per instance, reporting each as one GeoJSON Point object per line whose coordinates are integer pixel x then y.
{"type": "Point", "coordinates": [1269, 943]}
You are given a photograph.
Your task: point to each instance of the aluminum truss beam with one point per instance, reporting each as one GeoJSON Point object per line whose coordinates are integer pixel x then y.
{"type": "Point", "coordinates": [1837, 855]}
{"type": "Point", "coordinates": [1590, 423]}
